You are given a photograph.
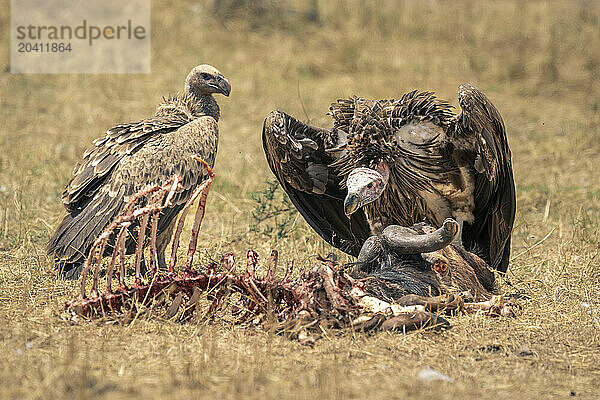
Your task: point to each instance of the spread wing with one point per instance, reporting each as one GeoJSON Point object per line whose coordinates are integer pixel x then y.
{"type": "Point", "coordinates": [300, 157]}
{"type": "Point", "coordinates": [495, 202]}
{"type": "Point", "coordinates": [119, 142]}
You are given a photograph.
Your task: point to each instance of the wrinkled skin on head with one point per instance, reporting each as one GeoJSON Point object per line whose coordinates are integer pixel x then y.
{"type": "Point", "coordinates": [206, 79]}
{"type": "Point", "coordinates": [365, 185]}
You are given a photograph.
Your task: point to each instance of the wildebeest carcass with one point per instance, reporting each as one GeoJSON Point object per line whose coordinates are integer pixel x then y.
{"type": "Point", "coordinates": [405, 279]}
{"type": "Point", "coordinates": [424, 266]}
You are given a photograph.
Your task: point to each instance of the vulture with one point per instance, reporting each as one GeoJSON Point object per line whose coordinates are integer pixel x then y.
{"type": "Point", "coordinates": [133, 156]}
{"type": "Point", "coordinates": [400, 162]}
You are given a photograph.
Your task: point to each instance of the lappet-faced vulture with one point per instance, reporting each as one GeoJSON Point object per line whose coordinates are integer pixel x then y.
{"type": "Point", "coordinates": [400, 162]}
{"type": "Point", "coordinates": [136, 155]}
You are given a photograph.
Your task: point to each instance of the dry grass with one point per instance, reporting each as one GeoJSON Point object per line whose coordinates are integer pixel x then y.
{"type": "Point", "coordinates": [538, 61]}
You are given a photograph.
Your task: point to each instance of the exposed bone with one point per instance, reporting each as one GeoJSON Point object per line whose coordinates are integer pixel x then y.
{"type": "Point", "coordinates": [98, 261]}
{"type": "Point", "coordinates": [172, 191]}
{"type": "Point", "coordinates": [400, 316]}
{"type": "Point", "coordinates": [109, 272]}
{"type": "Point", "coordinates": [229, 261]}
{"type": "Point", "coordinates": [497, 306]}
{"type": "Point", "coordinates": [85, 270]}
{"type": "Point", "coordinates": [288, 270]}
{"type": "Point", "coordinates": [199, 212]}
{"type": "Point", "coordinates": [288, 301]}
{"type": "Point", "coordinates": [122, 253]}
{"type": "Point", "coordinates": [260, 298]}
{"type": "Point", "coordinates": [153, 252]}
{"type": "Point", "coordinates": [179, 228]}
{"type": "Point", "coordinates": [140, 248]}
{"type": "Point", "coordinates": [443, 303]}
{"type": "Point", "coordinates": [324, 297]}
{"type": "Point", "coordinates": [251, 263]}
{"type": "Point", "coordinates": [333, 295]}
{"type": "Point", "coordinates": [127, 217]}
{"type": "Point", "coordinates": [202, 189]}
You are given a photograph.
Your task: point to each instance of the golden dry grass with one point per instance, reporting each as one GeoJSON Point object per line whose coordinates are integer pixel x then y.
{"type": "Point", "coordinates": [538, 61]}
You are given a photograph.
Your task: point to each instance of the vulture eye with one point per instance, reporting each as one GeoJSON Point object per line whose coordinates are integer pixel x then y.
{"type": "Point", "coordinates": [370, 185]}
{"type": "Point", "coordinates": [205, 76]}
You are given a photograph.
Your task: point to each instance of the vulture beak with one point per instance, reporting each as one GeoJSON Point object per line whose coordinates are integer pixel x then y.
{"type": "Point", "coordinates": [351, 204]}
{"type": "Point", "coordinates": [364, 185]}
{"type": "Point", "coordinates": [224, 86]}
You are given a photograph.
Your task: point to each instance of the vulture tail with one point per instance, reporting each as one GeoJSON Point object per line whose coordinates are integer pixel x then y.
{"type": "Point", "coordinates": [77, 232]}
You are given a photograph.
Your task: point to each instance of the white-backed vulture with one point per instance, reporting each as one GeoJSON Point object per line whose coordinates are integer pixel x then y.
{"type": "Point", "coordinates": [400, 162]}
{"type": "Point", "coordinates": [136, 155]}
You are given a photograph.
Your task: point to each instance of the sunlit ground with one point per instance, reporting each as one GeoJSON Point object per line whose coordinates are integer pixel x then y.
{"type": "Point", "coordinates": [538, 62]}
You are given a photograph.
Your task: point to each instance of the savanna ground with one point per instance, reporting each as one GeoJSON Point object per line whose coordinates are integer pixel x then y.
{"type": "Point", "coordinates": [538, 61]}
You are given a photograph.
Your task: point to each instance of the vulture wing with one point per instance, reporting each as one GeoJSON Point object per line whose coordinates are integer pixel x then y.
{"type": "Point", "coordinates": [152, 160]}
{"type": "Point", "coordinates": [300, 157]}
{"type": "Point", "coordinates": [119, 142]}
{"type": "Point", "coordinates": [495, 202]}
{"type": "Point", "coordinates": [166, 156]}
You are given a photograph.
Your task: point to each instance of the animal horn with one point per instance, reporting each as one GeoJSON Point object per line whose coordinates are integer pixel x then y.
{"type": "Point", "coordinates": [404, 241]}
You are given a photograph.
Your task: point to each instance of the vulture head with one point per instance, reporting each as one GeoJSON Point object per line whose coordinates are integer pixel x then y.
{"type": "Point", "coordinates": [205, 80]}
{"type": "Point", "coordinates": [365, 185]}
{"type": "Point", "coordinates": [369, 151]}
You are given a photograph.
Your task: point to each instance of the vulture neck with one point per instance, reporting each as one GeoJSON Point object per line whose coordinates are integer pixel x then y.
{"type": "Point", "coordinates": [395, 206]}
{"type": "Point", "coordinates": [206, 105]}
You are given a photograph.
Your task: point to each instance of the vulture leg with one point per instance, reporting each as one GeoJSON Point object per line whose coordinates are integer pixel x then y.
{"type": "Point", "coordinates": [162, 261]}
{"type": "Point", "coordinates": [162, 241]}
{"type": "Point", "coordinates": [143, 267]}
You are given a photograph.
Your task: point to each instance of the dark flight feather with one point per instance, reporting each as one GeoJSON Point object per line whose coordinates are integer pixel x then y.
{"type": "Point", "coordinates": [366, 132]}
{"type": "Point", "coordinates": [294, 150]}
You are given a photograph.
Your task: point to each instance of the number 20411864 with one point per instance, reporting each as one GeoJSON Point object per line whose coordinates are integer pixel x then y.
{"type": "Point", "coordinates": [26, 47]}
